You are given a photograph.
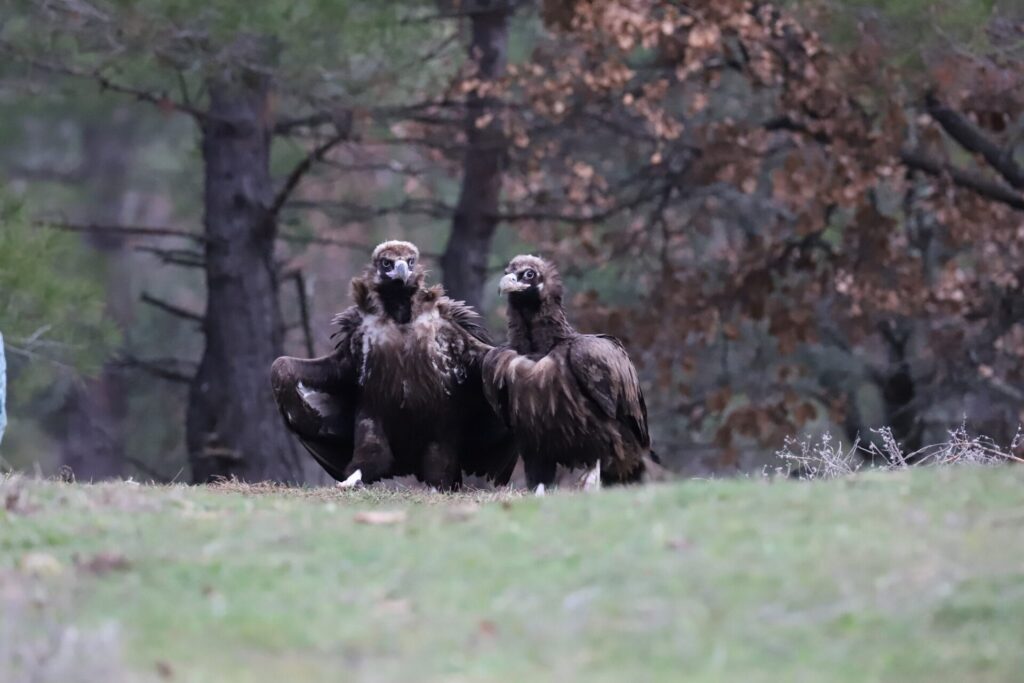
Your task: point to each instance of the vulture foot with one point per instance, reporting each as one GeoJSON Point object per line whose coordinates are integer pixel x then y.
{"type": "Point", "coordinates": [592, 480]}
{"type": "Point", "coordinates": [354, 480]}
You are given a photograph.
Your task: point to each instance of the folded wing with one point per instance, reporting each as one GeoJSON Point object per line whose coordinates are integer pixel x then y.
{"type": "Point", "coordinates": [488, 448]}
{"type": "Point", "coordinates": [605, 374]}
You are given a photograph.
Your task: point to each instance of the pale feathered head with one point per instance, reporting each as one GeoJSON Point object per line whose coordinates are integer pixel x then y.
{"type": "Point", "coordinates": [396, 262]}
{"type": "Point", "coordinates": [531, 279]}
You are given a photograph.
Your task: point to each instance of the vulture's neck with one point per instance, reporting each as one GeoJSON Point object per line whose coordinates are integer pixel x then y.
{"type": "Point", "coordinates": [535, 328]}
{"type": "Point", "coordinates": [397, 302]}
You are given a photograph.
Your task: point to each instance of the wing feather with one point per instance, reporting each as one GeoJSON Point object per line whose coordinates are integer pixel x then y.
{"type": "Point", "coordinates": [487, 448]}
{"type": "Point", "coordinates": [604, 372]}
{"type": "Point", "coordinates": [318, 397]}
{"type": "Point", "coordinates": [466, 317]}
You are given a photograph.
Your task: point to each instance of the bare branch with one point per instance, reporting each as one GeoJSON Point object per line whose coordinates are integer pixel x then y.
{"type": "Point", "coordinates": [467, 9]}
{"type": "Point", "coordinates": [159, 99]}
{"type": "Point", "coordinates": [176, 257]}
{"type": "Point", "coordinates": [307, 330]}
{"type": "Point", "coordinates": [158, 367]}
{"type": "Point", "coordinates": [171, 308]}
{"type": "Point", "coordinates": [973, 139]}
{"type": "Point", "coordinates": [327, 241]}
{"type": "Point", "coordinates": [342, 132]}
{"type": "Point", "coordinates": [362, 212]}
{"type": "Point", "coordinates": [287, 126]}
{"type": "Point", "coordinates": [972, 181]}
{"type": "Point", "coordinates": [127, 230]}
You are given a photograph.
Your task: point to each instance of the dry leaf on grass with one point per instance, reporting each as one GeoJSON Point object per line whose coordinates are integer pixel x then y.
{"type": "Point", "coordinates": [462, 511]}
{"type": "Point", "coordinates": [380, 517]}
{"type": "Point", "coordinates": [40, 564]}
{"type": "Point", "coordinates": [103, 563]}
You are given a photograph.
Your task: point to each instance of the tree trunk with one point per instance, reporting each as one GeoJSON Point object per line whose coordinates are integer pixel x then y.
{"type": "Point", "coordinates": [465, 258]}
{"type": "Point", "coordinates": [233, 427]}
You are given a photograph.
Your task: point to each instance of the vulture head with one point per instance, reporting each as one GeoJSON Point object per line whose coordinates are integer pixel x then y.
{"type": "Point", "coordinates": [530, 281]}
{"type": "Point", "coordinates": [395, 265]}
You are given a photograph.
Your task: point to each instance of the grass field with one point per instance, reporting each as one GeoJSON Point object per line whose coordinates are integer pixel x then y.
{"type": "Point", "coordinates": [902, 576]}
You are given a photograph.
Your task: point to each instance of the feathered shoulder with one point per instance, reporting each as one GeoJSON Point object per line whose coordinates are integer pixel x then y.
{"type": "Point", "coordinates": [363, 296]}
{"type": "Point", "coordinates": [347, 322]}
{"type": "Point", "coordinates": [465, 317]}
{"type": "Point", "coordinates": [366, 302]}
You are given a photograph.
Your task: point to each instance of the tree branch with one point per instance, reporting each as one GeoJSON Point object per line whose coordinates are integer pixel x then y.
{"type": "Point", "coordinates": [121, 230]}
{"type": "Point", "coordinates": [175, 257]}
{"type": "Point", "coordinates": [156, 367]}
{"type": "Point", "coordinates": [171, 308]}
{"type": "Point", "coordinates": [287, 126]}
{"type": "Point", "coordinates": [972, 181]}
{"type": "Point", "coordinates": [462, 10]}
{"type": "Point", "coordinates": [161, 100]}
{"type": "Point", "coordinates": [788, 123]}
{"type": "Point", "coordinates": [343, 131]}
{"type": "Point", "coordinates": [973, 139]}
{"type": "Point", "coordinates": [307, 330]}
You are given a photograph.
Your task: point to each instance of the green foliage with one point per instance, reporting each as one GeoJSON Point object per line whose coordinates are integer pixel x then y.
{"type": "Point", "coordinates": [313, 49]}
{"type": "Point", "coordinates": [51, 303]}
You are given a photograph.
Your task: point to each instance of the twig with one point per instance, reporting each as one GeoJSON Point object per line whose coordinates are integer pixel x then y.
{"type": "Point", "coordinates": [307, 330]}
{"type": "Point", "coordinates": [161, 100]}
{"type": "Point", "coordinates": [287, 126]}
{"type": "Point", "coordinates": [121, 230]}
{"type": "Point", "coordinates": [172, 309]}
{"type": "Point", "coordinates": [974, 140]}
{"type": "Point", "coordinates": [972, 181]}
{"type": "Point", "coordinates": [175, 257]}
{"type": "Point", "coordinates": [156, 367]}
{"type": "Point", "coordinates": [344, 130]}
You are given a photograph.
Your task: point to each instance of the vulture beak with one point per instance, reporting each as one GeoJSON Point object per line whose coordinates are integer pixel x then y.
{"type": "Point", "coordinates": [401, 271]}
{"type": "Point", "coordinates": [510, 283]}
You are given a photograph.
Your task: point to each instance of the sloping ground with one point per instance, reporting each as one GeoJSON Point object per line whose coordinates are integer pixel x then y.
{"type": "Point", "coordinates": [907, 576]}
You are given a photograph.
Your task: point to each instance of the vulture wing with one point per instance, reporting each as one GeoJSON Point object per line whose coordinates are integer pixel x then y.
{"type": "Point", "coordinates": [465, 317]}
{"type": "Point", "coordinates": [488, 449]}
{"type": "Point", "coordinates": [318, 397]}
{"type": "Point", "coordinates": [496, 370]}
{"type": "Point", "coordinates": [605, 374]}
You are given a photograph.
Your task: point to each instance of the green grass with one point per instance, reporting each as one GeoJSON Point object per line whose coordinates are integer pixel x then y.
{"type": "Point", "coordinates": [905, 576]}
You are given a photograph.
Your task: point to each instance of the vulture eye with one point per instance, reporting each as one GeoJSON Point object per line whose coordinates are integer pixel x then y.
{"type": "Point", "coordinates": [529, 274]}
{"type": "Point", "coordinates": [386, 262]}
{"type": "Point", "coordinates": [412, 261]}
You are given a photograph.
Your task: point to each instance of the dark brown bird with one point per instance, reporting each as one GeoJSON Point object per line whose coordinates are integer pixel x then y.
{"type": "Point", "coordinates": [570, 399]}
{"type": "Point", "coordinates": [402, 392]}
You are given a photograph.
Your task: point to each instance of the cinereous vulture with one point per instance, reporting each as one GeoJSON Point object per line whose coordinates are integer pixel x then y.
{"type": "Point", "coordinates": [570, 399]}
{"type": "Point", "coordinates": [402, 392]}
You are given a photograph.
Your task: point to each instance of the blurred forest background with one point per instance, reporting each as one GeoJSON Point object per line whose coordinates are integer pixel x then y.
{"type": "Point", "coordinates": [799, 217]}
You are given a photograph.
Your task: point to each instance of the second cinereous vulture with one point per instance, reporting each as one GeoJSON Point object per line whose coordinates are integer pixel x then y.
{"type": "Point", "coordinates": [402, 392]}
{"type": "Point", "coordinates": [570, 399]}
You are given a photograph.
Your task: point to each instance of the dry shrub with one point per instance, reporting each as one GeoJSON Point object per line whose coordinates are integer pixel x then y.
{"type": "Point", "coordinates": [826, 458]}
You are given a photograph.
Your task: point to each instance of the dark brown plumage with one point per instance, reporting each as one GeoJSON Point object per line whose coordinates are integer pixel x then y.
{"type": "Point", "coordinates": [402, 392]}
{"type": "Point", "coordinates": [570, 399]}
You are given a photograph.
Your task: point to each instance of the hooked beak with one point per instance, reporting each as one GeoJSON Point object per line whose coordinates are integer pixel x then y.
{"type": "Point", "coordinates": [510, 283]}
{"type": "Point", "coordinates": [401, 271]}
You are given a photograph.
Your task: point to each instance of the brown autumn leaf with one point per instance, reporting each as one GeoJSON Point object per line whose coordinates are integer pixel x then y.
{"type": "Point", "coordinates": [380, 517]}
{"type": "Point", "coordinates": [102, 563]}
{"type": "Point", "coordinates": [461, 512]}
{"type": "Point", "coordinates": [40, 564]}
